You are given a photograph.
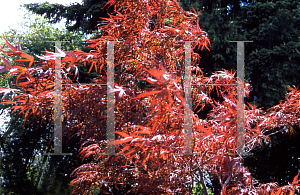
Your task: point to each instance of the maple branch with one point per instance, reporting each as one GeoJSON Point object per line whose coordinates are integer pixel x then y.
{"type": "Point", "coordinates": [1, 143]}
{"type": "Point", "coordinates": [275, 132]}
{"type": "Point", "coordinates": [201, 180]}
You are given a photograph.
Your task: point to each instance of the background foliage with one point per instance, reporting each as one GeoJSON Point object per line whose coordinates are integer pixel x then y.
{"type": "Point", "coordinates": [23, 163]}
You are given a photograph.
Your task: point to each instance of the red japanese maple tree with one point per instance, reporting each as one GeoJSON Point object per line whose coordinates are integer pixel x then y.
{"type": "Point", "coordinates": [149, 121]}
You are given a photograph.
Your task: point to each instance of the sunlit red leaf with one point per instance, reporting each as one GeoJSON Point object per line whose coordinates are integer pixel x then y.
{"type": "Point", "coordinates": [147, 94]}
{"type": "Point", "coordinates": [122, 134]}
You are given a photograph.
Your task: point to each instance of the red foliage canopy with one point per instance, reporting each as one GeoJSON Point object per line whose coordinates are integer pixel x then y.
{"type": "Point", "coordinates": [149, 121]}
